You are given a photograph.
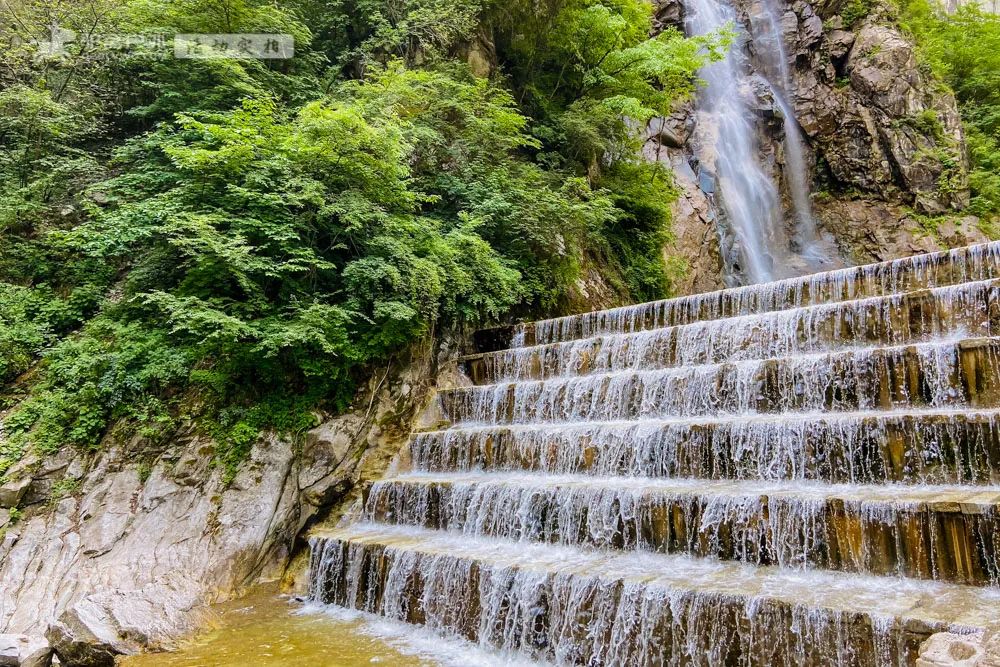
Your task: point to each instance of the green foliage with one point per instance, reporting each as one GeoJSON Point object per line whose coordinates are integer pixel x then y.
{"type": "Point", "coordinates": [927, 123]}
{"type": "Point", "coordinates": [853, 11]}
{"type": "Point", "coordinates": [640, 231]}
{"type": "Point", "coordinates": [241, 241]}
{"type": "Point", "coordinates": [588, 70]}
{"type": "Point", "coordinates": [66, 486]}
{"type": "Point", "coordinates": [963, 49]}
{"type": "Point", "coordinates": [359, 34]}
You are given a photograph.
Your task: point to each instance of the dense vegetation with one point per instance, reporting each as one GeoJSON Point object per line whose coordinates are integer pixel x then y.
{"type": "Point", "coordinates": [963, 49]}
{"type": "Point", "coordinates": [239, 241]}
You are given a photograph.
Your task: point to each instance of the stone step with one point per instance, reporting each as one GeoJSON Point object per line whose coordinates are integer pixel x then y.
{"type": "Point", "coordinates": [973, 263]}
{"type": "Point", "coordinates": [930, 446]}
{"type": "Point", "coordinates": [969, 309]}
{"type": "Point", "coordinates": [963, 373]}
{"type": "Point", "coordinates": [932, 532]}
{"type": "Point", "coordinates": [577, 606]}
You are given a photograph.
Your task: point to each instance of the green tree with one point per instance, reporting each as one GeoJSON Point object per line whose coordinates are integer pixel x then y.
{"type": "Point", "coordinates": [963, 49]}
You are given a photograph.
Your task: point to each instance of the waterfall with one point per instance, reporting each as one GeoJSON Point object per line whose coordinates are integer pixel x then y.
{"type": "Point", "coordinates": [771, 52]}
{"type": "Point", "coordinates": [727, 145]}
{"type": "Point", "coordinates": [797, 473]}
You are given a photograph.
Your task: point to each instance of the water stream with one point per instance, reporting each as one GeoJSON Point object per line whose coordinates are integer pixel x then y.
{"type": "Point", "coordinates": [728, 147]}
{"type": "Point", "coordinates": [774, 60]}
{"type": "Point", "coordinates": [797, 473]}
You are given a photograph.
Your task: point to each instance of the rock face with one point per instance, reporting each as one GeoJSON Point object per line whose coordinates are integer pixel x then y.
{"type": "Point", "coordinates": [24, 651]}
{"type": "Point", "coordinates": [695, 221]}
{"type": "Point", "coordinates": [876, 120]}
{"type": "Point", "coordinates": [129, 559]}
{"type": "Point", "coordinates": [947, 649]}
{"type": "Point", "coordinates": [884, 139]}
{"type": "Point", "coordinates": [887, 137]}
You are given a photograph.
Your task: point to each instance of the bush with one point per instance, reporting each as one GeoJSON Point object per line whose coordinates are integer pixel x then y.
{"type": "Point", "coordinates": [237, 241]}
{"type": "Point", "coordinates": [963, 49]}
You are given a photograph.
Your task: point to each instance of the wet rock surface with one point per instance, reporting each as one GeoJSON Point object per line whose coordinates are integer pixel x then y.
{"type": "Point", "coordinates": [948, 649]}
{"type": "Point", "coordinates": [128, 559]}
{"type": "Point", "coordinates": [884, 140]}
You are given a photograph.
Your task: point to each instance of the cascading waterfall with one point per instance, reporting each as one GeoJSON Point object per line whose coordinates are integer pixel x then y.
{"type": "Point", "coordinates": [771, 53]}
{"type": "Point", "coordinates": [801, 330]}
{"type": "Point", "coordinates": [797, 473]}
{"type": "Point", "coordinates": [728, 149]}
{"type": "Point", "coordinates": [763, 523]}
{"type": "Point", "coordinates": [953, 267]}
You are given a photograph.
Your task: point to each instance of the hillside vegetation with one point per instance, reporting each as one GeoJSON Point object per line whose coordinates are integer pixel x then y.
{"type": "Point", "coordinates": [240, 241]}
{"type": "Point", "coordinates": [963, 50]}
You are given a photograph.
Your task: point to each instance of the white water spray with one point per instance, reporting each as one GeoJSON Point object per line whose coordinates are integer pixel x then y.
{"type": "Point", "coordinates": [728, 148]}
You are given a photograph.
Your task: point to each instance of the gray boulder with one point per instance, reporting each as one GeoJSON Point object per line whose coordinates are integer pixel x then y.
{"type": "Point", "coordinates": [24, 651]}
{"type": "Point", "coordinates": [87, 635]}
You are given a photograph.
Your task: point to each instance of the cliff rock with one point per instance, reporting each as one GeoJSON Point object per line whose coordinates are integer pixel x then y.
{"type": "Point", "coordinates": [884, 138]}
{"type": "Point", "coordinates": [129, 559]}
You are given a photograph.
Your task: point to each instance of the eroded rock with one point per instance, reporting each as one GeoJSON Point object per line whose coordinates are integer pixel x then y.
{"type": "Point", "coordinates": [13, 490]}
{"type": "Point", "coordinates": [86, 635]}
{"type": "Point", "coordinates": [947, 649]}
{"type": "Point", "coordinates": [129, 559]}
{"type": "Point", "coordinates": [24, 651]}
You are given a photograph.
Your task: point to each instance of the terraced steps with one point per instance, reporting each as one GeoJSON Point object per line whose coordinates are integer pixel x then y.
{"type": "Point", "coordinates": [926, 446]}
{"type": "Point", "coordinates": [578, 606]}
{"type": "Point", "coordinates": [945, 532]}
{"type": "Point", "coordinates": [966, 310]}
{"type": "Point", "coordinates": [963, 265]}
{"type": "Point", "coordinates": [934, 374]}
{"type": "Point", "coordinates": [799, 473]}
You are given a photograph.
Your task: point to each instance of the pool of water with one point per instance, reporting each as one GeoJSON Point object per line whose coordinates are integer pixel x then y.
{"type": "Point", "coordinates": [269, 630]}
{"type": "Point", "coordinates": [266, 629]}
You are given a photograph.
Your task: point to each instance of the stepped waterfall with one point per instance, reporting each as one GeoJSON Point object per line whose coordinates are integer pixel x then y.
{"type": "Point", "coordinates": [802, 472]}
{"type": "Point", "coordinates": [798, 471]}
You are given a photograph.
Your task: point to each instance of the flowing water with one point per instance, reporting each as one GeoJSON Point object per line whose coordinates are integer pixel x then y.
{"type": "Point", "coordinates": [265, 629]}
{"type": "Point", "coordinates": [797, 473]}
{"type": "Point", "coordinates": [771, 52]}
{"type": "Point", "coordinates": [728, 148]}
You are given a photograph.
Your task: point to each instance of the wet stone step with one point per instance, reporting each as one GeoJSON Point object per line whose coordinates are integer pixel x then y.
{"type": "Point", "coordinates": [797, 473]}
{"type": "Point", "coordinates": [945, 532]}
{"type": "Point", "coordinates": [942, 374]}
{"type": "Point", "coordinates": [923, 447]}
{"type": "Point", "coordinates": [574, 606]}
{"type": "Point", "coordinates": [971, 309]}
{"type": "Point", "coordinates": [904, 275]}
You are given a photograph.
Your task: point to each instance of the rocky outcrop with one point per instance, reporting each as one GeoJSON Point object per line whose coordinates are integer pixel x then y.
{"type": "Point", "coordinates": [130, 556]}
{"type": "Point", "coordinates": [878, 122]}
{"type": "Point", "coordinates": [948, 649]}
{"type": "Point", "coordinates": [884, 138]}
{"type": "Point", "coordinates": [24, 651]}
{"type": "Point", "coordinates": [696, 237]}
{"type": "Point", "coordinates": [887, 138]}
{"type": "Point", "coordinates": [873, 230]}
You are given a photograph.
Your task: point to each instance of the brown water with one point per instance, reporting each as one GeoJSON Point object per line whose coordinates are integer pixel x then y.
{"type": "Point", "coordinates": [264, 630]}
